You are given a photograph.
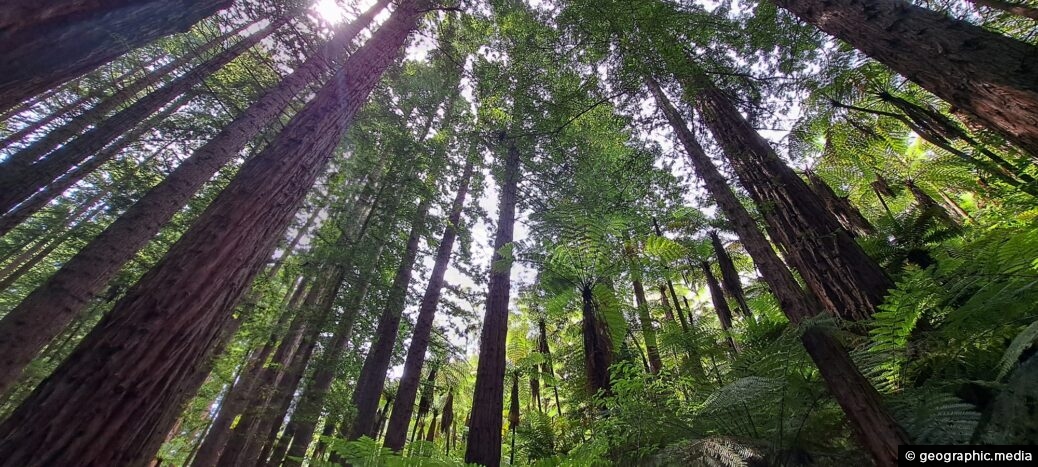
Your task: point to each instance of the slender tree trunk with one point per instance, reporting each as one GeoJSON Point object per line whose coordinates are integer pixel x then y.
{"type": "Point", "coordinates": [724, 313]}
{"type": "Point", "coordinates": [171, 318]}
{"type": "Point", "coordinates": [53, 42]}
{"type": "Point", "coordinates": [849, 283]}
{"type": "Point", "coordinates": [408, 389]}
{"type": "Point", "coordinates": [484, 442]}
{"type": "Point", "coordinates": [308, 411]}
{"type": "Point", "coordinates": [372, 377]}
{"type": "Point", "coordinates": [260, 447]}
{"type": "Point", "coordinates": [513, 415]}
{"type": "Point", "coordinates": [23, 180]}
{"type": "Point", "coordinates": [665, 303]}
{"type": "Point", "coordinates": [51, 306]}
{"type": "Point", "coordinates": [648, 331]}
{"type": "Point", "coordinates": [547, 367]}
{"type": "Point", "coordinates": [42, 198]}
{"type": "Point", "coordinates": [92, 116]}
{"type": "Point", "coordinates": [876, 430]}
{"type": "Point", "coordinates": [990, 76]}
{"type": "Point", "coordinates": [730, 275]}
{"type": "Point", "coordinates": [930, 206]}
{"type": "Point", "coordinates": [11, 274]}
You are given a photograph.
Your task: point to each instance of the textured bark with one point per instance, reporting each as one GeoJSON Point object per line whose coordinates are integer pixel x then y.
{"type": "Point", "coordinates": [648, 331]}
{"type": "Point", "coordinates": [372, 378]}
{"type": "Point", "coordinates": [238, 396]}
{"type": "Point", "coordinates": [840, 207]}
{"type": "Point", "coordinates": [305, 418]}
{"type": "Point", "coordinates": [875, 429]}
{"type": "Point", "coordinates": [55, 189]}
{"type": "Point", "coordinates": [112, 395]}
{"type": "Point", "coordinates": [484, 441]}
{"type": "Point", "coordinates": [407, 391]}
{"type": "Point", "coordinates": [55, 303]}
{"type": "Point", "coordinates": [730, 275]}
{"type": "Point", "coordinates": [53, 42]}
{"type": "Point", "coordinates": [280, 403]}
{"type": "Point", "coordinates": [990, 76]}
{"type": "Point", "coordinates": [92, 116]}
{"type": "Point", "coordinates": [1017, 9]}
{"type": "Point", "coordinates": [848, 282]}
{"type": "Point", "coordinates": [724, 313]}
{"type": "Point", "coordinates": [23, 180]}
{"type": "Point", "coordinates": [598, 347]}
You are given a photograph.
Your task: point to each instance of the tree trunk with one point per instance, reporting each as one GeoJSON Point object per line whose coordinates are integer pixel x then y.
{"type": "Point", "coordinates": [648, 331]}
{"type": "Point", "coordinates": [1017, 9]}
{"type": "Point", "coordinates": [665, 303]}
{"type": "Point", "coordinates": [598, 348]}
{"type": "Point", "coordinates": [16, 269]}
{"type": "Point", "coordinates": [372, 377]}
{"type": "Point", "coordinates": [54, 42]}
{"type": "Point", "coordinates": [25, 178]}
{"type": "Point", "coordinates": [42, 198]}
{"type": "Point", "coordinates": [308, 410]}
{"type": "Point", "coordinates": [724, 313]}
{"type": "Point", "coordinates": [840, 207]}
{"type": "Point", "coordinates": [50, 307]}
{"type": "Point", "coordinates": [408, 389]}
{"type": "Point", "coordinates": [876, 430]}
{"type": "Point", "coordinates": [849, 283]}
{"type": "Point", "coordinates": [170, 319]}
{"type": "Point", "coordinates": [730, 275]}
{"type": "Point", "coordinates": [484, 442]}
{"type": "Point", "coordinates": [96, 114]}
{"type": "Point", "coordinates": [547, 366]}
{"type": "Point", "coordinates": [990, 76]}
{"type": "Point", "coordinates": [280, 403]}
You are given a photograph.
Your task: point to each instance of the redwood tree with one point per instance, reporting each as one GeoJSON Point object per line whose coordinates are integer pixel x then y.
{"type": "Point", "coordinates": [49, 43]}
{"type": "Point", "coordinates": [990, 76]}
{"type": "Point", "coordinates": [52, 305]}
{"type": "Point", "coordinates": [407, 391]}
{"type": "Point", "coordinates": [484, 441]}
{"type": "Point", "coordinates": [118, 388]}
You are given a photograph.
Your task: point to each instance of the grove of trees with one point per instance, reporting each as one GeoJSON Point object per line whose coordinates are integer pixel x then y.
{"type": "Point", "coordinates": [515, 232]}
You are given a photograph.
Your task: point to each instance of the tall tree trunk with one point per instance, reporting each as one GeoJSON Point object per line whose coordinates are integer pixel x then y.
{"type": "Point", "coordinates": [25, 178]}
{"type": "Point", "coordinates": [648, 331]}
{"type": "Point", "coordinates": [92, 116]}
{"type": "Point", "coordinates": [408, 389]}
{"type": "Point", "coordinates": [39, 200]}
{"type": "Point", "coordinates": [513, 415]}
{"type": "Point", "coordinates": [665, 303]}
{"type": "Point", "coordinates": [598, 348]}
{"type": "Point", "coordinates": [171, 318]}
{"type": "Point", "coordinates": [875, 429]}
{"type": "Point", "coordinates": [990, 76]}
{"type": "Point", "coordinates": [258, 453]}
{"type": "Point", "coordinates": [53, 42]}
{"type": "Point", "coordinates": [724, 313]}
{"type": "Point", "coordinates": [484, 442]}
{"type": "Point", "coordinates": [49, 308]}
{"type": "Point", "coordinates": [16, 269]}
{"type": "Point", "coordinates": [730, 275]}
{"type": "Point", "coordinates": [1017, 9]}
{"type": "Point", "coordinates": [308, 411]}
{"type": "Point", "coordinates": [849, 283]}
{"type": "Point", "coordinates": [840, 207]}
{"type": "Point", "coordinates": [372, 377]}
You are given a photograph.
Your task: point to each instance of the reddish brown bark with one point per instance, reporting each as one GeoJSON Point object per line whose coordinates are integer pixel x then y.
{"type": "Point", "coordinates": [114, 393]}
{"type": "Point", "coordinates": [407, 391]}
{"type": "Point", "coordinates": [51, 306]}
{"type": "Point", "coordinates": [848, 282]}
{"type": "Point", "coordinates": [875, 429]}
{"type": "Point", "coordinates": [990, 76]}
{"type": "Point", "coordinates": [1017, 9]}
{"type": "Point", "coordinates": [372, 378]}
{"type": "Point", "coordinates": [53, 42]}
{"type": "Point", "coordinates": [484, 441]}
{"type": "Point", "coordinates": [840, 207]}
{"type": "Point", "coordinates": [598, 347]}
{"type": "Point", "coordinates": [25, 178]}
{"type": "Point", "coordinates": [121, 98]}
